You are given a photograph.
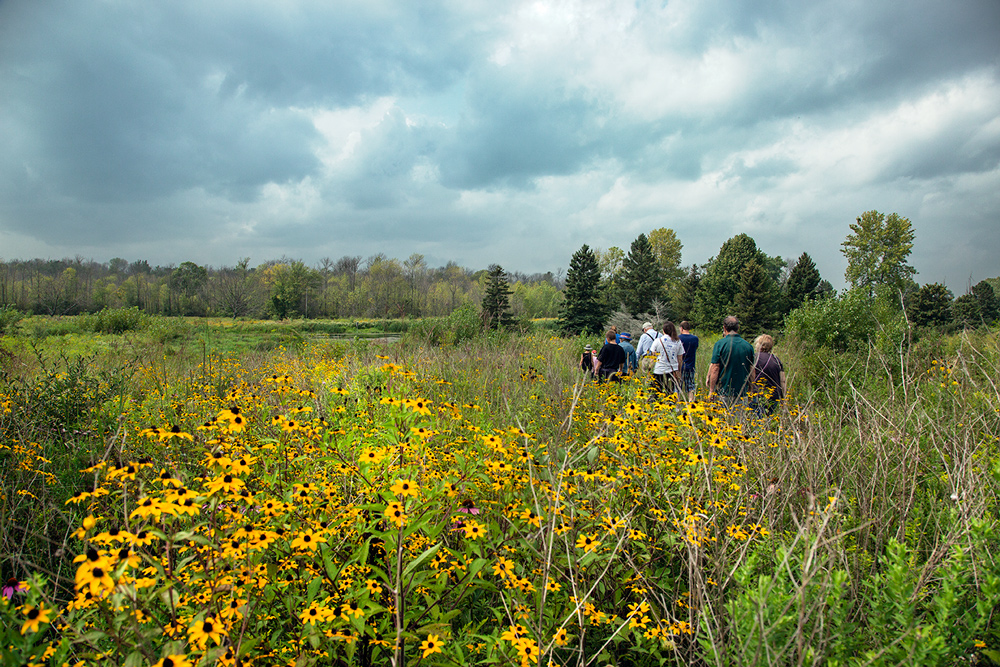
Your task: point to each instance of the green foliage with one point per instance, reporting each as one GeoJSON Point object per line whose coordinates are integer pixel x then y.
{"type": "Point", "coordinates": [757, 300]}
{"type": "Point", "coordinates": [930, 306]}
{"type": "Point", "coordinates": [291, 285]}
{"type": "Point", "coordinates": [464, 323]}
{"type": "Point", "coordinates": [717, 291]}
{"type": "Point", "coordinates": [683, 296]}
{"type": "Point", "coordinates": [495, 308]}
{"type": "Point", "coordinates": [642, 278]}
{"type": "Point", "coordinates": [9, 317]}
{"type": "Point", "coordinates": [583, 309]}
{"type": "Point", "coordinates": [877, 250]}
{"type": "Point", "coordinates": [849, 321]}
{"type": "Point", "coordinates": [931, 615]}
{"type": "Point", "coordinates": [989, 304]}
{"type": "Point", "coordinates": [980, 307]}
{"type": "Point", "coordinates": [802, 283]}
{"type": "Point", "coordinates": [115, 320]}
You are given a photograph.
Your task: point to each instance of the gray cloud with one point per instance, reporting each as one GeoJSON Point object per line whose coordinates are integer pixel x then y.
{"type": "Point", "coordinates": [482, 132]}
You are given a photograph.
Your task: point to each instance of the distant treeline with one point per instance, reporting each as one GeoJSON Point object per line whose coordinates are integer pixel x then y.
{"type": "Point", "coordinates": [376, 287]}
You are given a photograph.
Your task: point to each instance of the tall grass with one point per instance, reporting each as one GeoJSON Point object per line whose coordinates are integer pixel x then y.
{"type": "Point", "coordinates": [856, 526]}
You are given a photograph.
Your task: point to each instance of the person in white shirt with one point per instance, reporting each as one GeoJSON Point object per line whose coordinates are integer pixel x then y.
{"type": "Point", "coordinates": [669, 353]}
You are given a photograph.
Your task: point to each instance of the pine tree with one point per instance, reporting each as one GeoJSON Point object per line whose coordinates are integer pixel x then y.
{"type": "Point", "coordinates": [965, 310]}
{"type": "Point", "coordinates": [756, 301]}
{"type": "Point", "coordinates": [496, 300]}
{"type": "Point", "coordinates": [642, 278]}
{"type": "Point", "coordinates": [930, 306]}
{"type": "Point", "coordinates": [683, 298]}
{"type": "Point", "coordinates": [583, 309]}
{"type": "Point", "coordinates": [718, 288]}
{"type": "Point", "coordinates": [989, 308]}
{"type": "Point", "coordinates": [802, 282]}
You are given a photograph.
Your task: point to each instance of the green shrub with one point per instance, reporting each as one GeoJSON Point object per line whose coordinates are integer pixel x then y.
{"type": "Point", "coordinates": [9, 317]}
{"type": "Point", "coordinates": [116, 320]}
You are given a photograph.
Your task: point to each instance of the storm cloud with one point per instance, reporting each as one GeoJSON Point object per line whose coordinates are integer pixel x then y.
{"type": "Point", "coordinates": [510, 133]}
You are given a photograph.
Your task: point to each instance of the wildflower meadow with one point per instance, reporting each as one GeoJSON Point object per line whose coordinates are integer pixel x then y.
{"type": "Point", "coordinates": [173, 499]}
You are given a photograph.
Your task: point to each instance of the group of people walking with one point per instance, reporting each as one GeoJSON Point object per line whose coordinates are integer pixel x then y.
{"type": "Point", "coordinates": [737, 369]}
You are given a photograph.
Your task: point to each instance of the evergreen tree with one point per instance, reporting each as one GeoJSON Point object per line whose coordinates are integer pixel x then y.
{"type": "Point", "coordinates": [965, 311]}
{"type": "Point", "coordinates": [683, 297]}
{"type": "Point", "coordinates": [496, 300]}
{"type": "Point", "coordinates": [802, 282]}
{"type": "Point", "coordinates": [718, 288]}
{"type": "Point", "coordinates": [642, 278]}
{"type": "Point", "coordinates": [989, 308]}
{"type": "Point", "coordinates": [583, 309]}
{"type": "Point", "coordinates": [756, 301]}
{"type": "Point", "coordinates": [930, 306]}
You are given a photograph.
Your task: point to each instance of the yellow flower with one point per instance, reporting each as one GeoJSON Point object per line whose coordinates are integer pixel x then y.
{"type": "Point", "coordinates": [419, 406]}
{"type": "Point", "coordinates": [561, 637]}
{"type": "Point", "coordinates": [394, 513]}
{"type": "Point", "coordinates": [308, 541]}
{"type": "Point", "coordinates": [351, 608]}
{"type": "Point", "coordinates": [473, 530]}
{"type": "Point", "coordinates": [405, 487]}
{"type": "Point", "coordinates": [588, 542]}
{"type": "Point", "coordinates": [173, 661]}
{"type": "Point", "coordinates": [527, 649]}
{"type": "Point", "coordinates": [206, 629]}
{"type": "Point", "coordinates": [36, 616]}
{"type": "Point", "coordinates": [430, 645]}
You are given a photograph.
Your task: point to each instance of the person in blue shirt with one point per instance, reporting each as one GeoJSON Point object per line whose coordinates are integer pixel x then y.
{"type": "Point", "coordinates": [690, 343]}
{"type": "Point", "coordinates": [632, 361]}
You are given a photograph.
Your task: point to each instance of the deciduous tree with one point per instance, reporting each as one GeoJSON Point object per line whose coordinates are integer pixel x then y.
{"type": "Point", "coordinates": [877, 250]}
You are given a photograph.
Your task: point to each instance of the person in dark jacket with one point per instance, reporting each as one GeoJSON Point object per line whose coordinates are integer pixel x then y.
{"type": "Point", "coordinates": [767, 376]}
{"type": "Point", "coordinates": [611, 359]}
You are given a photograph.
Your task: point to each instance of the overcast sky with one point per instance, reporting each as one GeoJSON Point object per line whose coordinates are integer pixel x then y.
{"type": "Point", "coordinates": [512, 132]}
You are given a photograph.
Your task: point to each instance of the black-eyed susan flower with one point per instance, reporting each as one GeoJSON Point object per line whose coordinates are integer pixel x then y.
{"type": "Point", "coordinates": [588, 543]}
{"type": "Point", "coordinates": [308, 540]}
{"type": "Point", "coordinates": [204, 630]}
{"type": "Point", "coordinates": [34, 617]}
{"type": "Point", "coordinates": [350, 609]}
{"type": "Point", "coordinates": [431, 645]}
{"type": "Point", "coordinates": [174, 660]}
{"type": "Point", "coordinates": [405, 487]}
{"type": "Point", "coordinates": [395, 514]}
{"type": "Point", "coordinates": [473, 529]}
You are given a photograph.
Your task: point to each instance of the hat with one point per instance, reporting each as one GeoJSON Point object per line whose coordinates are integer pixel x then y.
{"type": "Point", "coordinates": [625, 336]}
{"type": "Point", "coordinates": [647, 325]}
{"type": "Point", "coordinates": [588, 348]}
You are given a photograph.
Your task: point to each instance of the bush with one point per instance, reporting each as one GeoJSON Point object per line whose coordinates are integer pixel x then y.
{"type": "Point", "coordinates": [463, 324]}
{"type": "Point", "coordinates": [116, 320]}
{"type": "Point", "coordinates": [849, 321]}
{"type": "Point", "coordinates": [9, 317]}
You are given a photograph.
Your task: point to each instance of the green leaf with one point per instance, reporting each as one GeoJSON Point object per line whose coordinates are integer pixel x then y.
{"type": "Point", "coordinates": [313, 589]}
{"type": "Point", "coordinates": [430, 551]}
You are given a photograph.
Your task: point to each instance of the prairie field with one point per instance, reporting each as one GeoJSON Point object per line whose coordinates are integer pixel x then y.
{"type": "Point", "coordinates": [188, 493]}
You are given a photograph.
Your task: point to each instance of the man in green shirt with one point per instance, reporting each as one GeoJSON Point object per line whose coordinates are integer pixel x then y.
{"type": "Point", "coordinates": [732, 361]}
